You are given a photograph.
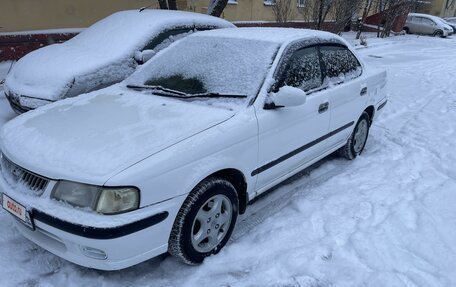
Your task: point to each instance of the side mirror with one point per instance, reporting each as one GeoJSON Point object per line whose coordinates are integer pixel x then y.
{"type": "Point", "coordinates": [139, 57]}
{"type": "Point", "coordinates": [286, 97]}
{"type": "Point", "coordinates": [143, 56]}
{"type": "Point", "coordinates": [147, 55]}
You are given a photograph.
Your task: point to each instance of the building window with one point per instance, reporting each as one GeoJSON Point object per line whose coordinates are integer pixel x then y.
{"type": "Point", "coordinates": [301, 3]}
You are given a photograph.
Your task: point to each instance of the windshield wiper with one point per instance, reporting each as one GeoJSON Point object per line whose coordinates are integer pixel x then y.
{"type": "Point", "coordinates": [169, 92]}
{"type": "Point", "coordinates": [216, 95]}
{"type": "Point", "coordinates": [165, 92]}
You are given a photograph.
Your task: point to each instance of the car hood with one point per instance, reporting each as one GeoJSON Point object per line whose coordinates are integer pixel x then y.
{"type": "Point", "coordinates": [49, 72]}
{"type": "Point", "coordinates": [93, 137]}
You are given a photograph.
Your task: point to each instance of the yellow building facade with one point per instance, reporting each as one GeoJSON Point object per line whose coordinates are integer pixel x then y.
{"type": "Point", "coordinates": [26, 15]}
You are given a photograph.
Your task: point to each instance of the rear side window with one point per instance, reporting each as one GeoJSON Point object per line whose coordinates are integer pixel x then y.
{"type": "Point", "coordinates": [340, 64]}
{"type": "Point", "coordinates": [303, 70]}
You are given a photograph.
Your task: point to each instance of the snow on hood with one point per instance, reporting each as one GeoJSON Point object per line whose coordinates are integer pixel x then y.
{"type": "Point", "coordinates": [48, 72]}
{"type": "Point", "coordinates": [97, 135]}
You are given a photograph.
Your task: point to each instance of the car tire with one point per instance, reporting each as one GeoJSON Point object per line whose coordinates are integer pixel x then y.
{"type": "Point", "coordinates": [407, 30]}
{"type": "Point", "coordinates": [205, 221]}
{"type": "Point", "coordinates": [438, 33]}
{"type": "Point", "coordinates": [357, 140]}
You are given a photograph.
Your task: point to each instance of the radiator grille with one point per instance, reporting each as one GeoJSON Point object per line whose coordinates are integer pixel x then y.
{"type": "Point", "coordinates": [12, 172]}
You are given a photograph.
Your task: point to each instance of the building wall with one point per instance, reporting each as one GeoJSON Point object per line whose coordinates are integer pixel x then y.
{"type": "Point", "coordinates": [24, 15]}
{"type": "Point", "coordinates": [244, 10]}
{"type": "Point", "coordinates": [441, 8]}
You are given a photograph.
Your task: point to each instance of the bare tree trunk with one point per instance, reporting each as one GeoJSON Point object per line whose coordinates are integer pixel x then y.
{"type": "Point", "coordinates": [366, 11]}
{"type": "Point", "coordinates": [282, 10]}
{"type": "Point", "coordinates": [172, 4]}
{"type": "Point", "coordinates": [320, 14]}
{"type": "Point", "coordinates": [216, 7]}
{"type": "Point", "coordinates": [163, 4]}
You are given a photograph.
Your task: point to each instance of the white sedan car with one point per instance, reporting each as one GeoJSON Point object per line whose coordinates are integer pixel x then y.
{"type": "Point", "coordinates": [168, 159]}
{"type": "Point", "coordinates": [102, 55]}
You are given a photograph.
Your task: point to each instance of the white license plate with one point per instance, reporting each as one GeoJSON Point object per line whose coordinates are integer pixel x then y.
{"type": "Point", "coordinates": [18, 210]}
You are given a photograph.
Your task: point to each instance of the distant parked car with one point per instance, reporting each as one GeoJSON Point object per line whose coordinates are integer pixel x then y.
{"type": "Point", "coordinates": [166, 160]}
{"type": "Point", "coordinates": [427, 25]}
{"type": "Point", "coordinates": [104, 54]}
{"type": "Point", "coordinates": [452, 23]}
{"type": "Point", "coordinates": [451, 20]}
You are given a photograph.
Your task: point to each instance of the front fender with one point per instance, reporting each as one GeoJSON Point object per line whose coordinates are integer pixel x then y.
{"type": "Point", "coordinates": [176, 170]}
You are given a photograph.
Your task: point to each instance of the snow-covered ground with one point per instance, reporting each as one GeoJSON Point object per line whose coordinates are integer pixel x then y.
{"type": "Point", "coordinates": [386, 219]}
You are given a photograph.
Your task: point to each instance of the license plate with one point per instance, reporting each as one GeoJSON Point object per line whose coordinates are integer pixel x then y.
{"type": "Point", "coordinates": [18, 210]}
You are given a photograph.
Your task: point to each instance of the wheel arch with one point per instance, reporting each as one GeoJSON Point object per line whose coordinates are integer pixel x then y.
{"type": "Point", "coordinates": [237, 179]}
{"type": "Point", "coordinates": [370, 110]}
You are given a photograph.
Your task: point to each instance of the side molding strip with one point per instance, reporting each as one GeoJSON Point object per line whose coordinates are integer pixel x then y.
{"type": "Point", "coordinates": [299, 150]}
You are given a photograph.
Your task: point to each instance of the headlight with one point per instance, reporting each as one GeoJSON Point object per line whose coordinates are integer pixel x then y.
{"type": "Point", "coordinates": [105, 200]}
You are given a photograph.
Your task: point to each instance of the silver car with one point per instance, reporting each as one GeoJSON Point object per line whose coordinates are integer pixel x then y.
{"type": "Point", "coordinates": [427, 25]}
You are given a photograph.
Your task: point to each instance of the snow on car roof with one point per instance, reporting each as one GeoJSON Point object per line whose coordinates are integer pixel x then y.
{"type": "Point", "coordinates": [275, 35]}
{"type": "Point", "coordinates": [425, 16]}
{"type": "Point", "coordinates": [125, 29]}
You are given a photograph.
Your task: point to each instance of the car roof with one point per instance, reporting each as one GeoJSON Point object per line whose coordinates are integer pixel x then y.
{"type": "Point", "coordinates": [425, 16]}
{"type": "Point", "coordinates": [273, 35]}
{"type": "Point", "coordinates": [170, 16]}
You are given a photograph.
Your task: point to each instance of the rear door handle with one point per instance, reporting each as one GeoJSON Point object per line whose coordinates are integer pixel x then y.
{"type": "Point", "coordinates": [363, 91]}
{"type": "Point", "coordinates": [323, 108]}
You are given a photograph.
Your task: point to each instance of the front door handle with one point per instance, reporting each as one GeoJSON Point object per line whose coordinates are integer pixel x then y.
{"type": "Point", "coordinates": [363, 91]}
{"type": "Point", "coordinates": [323, 108]}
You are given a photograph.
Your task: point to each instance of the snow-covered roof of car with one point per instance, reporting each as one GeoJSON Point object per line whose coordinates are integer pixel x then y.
{"type": "Point", "coordinates": [426, 16]}
{"type": "Point", "coordinates": [109, 44]}
{"type": "Point", "coordinates": [275, 35]}
{"type": "Point", "coordinates": [125, 29]}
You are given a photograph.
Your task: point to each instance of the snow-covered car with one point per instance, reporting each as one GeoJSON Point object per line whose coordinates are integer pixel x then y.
{"type": "Point", "coordinates": [102, 55]}
{"type": "Point", "coordinates": [451, 20]}
{"type": "Point", "coordinates": [168, 159]}
{"type": "Point", "coordinates": [425, 24]}
{"type": "Point", "coordinates": [450, 23]}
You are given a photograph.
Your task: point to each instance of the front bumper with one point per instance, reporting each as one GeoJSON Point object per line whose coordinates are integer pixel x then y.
{"type": "Point", "coordinates": [104, 242]}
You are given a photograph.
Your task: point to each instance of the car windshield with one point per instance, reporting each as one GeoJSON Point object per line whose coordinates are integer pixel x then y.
{"type": "Point", "coordinates": [208, 67]}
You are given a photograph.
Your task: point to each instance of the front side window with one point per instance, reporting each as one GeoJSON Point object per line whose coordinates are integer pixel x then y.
{"type": "Point", "coordinates": [166, 38]}
{"type": "Point", "coordinates": [340, 64]}
{"type": "Point", "coordinates": [304, 70]}
{"type": "Point", "coordinates": [427, 22]}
